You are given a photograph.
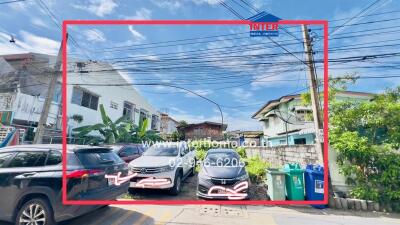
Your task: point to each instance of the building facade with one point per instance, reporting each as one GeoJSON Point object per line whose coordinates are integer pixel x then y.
{"type": "Point", "coordinates": [287, 122]}
{"type": "Point", "coordinates": [168, 124]}
{"type": "Point", "coordinates": [205, 130]}
{"type": "Point", "coordinates": [25, 78]}
{"type": "Point", "coordinates": [245, 138]}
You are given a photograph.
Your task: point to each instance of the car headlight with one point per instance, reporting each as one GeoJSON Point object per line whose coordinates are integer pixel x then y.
{"type": "Point", "coordinates": [166, 168]}
{"type": "Point", "coordinates": [243, 177]}
{"type": "Point", "coordinates": [204, 177]}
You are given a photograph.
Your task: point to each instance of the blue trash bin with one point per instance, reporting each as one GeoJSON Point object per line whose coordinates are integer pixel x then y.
{"type": "Point", "coordinates": [314, 184]}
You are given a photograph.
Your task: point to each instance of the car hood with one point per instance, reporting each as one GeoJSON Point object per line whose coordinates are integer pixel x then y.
{"type": "Point", "coordinates": [152, 161]}
{"type": "Point", "coordinates": [223, 172]}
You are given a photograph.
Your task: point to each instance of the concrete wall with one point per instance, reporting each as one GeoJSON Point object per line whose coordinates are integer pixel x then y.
{"type": "Point", "coordinates": [275, 141]}
{"type": "Point", "coordinates": [303, 154]}
{"type": "Point", "coordinates": [278, 156]}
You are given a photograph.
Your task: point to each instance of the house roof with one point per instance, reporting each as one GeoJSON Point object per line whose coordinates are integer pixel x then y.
{"type": "Point", "coordinates": [272, 103]}
{"type": "Point", "coordinates": [206, 122]}
{"type": "Point", "coordinates": [166, 115]}
{"type": "Point", "coordinates": [252, 134]}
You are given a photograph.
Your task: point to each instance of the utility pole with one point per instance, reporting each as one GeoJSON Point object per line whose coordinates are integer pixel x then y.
{"type": "Point", "coordinates": [315, 103]}
{"type": "Point", "coordinates": [49, 98]}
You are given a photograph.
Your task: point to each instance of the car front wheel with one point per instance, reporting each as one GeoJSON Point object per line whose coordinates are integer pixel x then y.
{"type": "Point", "coordinates": [35, 212]}
{"type": "Point", "coordinates": [177, 184]}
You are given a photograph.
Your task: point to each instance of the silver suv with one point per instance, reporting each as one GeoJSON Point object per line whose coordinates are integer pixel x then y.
{"type": "Point", "coordinates": [163, 166]}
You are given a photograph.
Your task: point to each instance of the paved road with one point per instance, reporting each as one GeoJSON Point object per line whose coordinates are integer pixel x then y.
{"type": "Point", "coordinates": [229, 215]}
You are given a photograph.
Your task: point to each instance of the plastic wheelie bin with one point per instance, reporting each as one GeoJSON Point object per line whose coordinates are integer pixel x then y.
{"type": "Point", "coordinates": [276, 184]}
{"type": "Point", "coordinates": [314, 184]}
{"type": "Point", "coordinates": [294, 181]}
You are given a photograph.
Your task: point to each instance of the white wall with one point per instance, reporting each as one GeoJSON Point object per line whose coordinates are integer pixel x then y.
{"type": "Point", "coordinates": [116, 94]}
{"type": "Point", "coordinates": [27, 107]}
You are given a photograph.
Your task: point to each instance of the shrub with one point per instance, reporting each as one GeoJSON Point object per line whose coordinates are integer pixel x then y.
{"type": "Point", "coordinates": [366, 136]}
{"type": "Point", "coordinates": [256, 168]}
{"type": "Point", "coordinates": [242, 152]}
{"type": "Point", "coordinates": [200, 155]}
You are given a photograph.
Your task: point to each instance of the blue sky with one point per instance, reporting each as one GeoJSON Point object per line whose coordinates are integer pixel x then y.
{"type": "Point", "coordinates": [214, 66]}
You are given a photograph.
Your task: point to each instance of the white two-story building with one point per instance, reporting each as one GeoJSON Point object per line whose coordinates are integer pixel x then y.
{"type": "Point", "coordinates": [24, 82]}
{"type": "Point", "coordinates": [287, 122]}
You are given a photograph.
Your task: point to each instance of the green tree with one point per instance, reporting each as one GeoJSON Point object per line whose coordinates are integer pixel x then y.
{"type": "Point", "coordinates": [181, 129]}
{"type": "Point", "coordinates": [366, 136]}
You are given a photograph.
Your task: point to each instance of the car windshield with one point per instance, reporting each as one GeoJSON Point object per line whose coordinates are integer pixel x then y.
{"type": "Point", "coordinates": [222, 159]}
{"type": "Point", "coordinates": [159, 150]}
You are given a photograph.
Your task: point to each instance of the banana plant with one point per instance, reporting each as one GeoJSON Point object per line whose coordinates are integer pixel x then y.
{"type": "Point", "coordinates": [121, 130]}
{"type": "Point", "coordinates": [111, 131]}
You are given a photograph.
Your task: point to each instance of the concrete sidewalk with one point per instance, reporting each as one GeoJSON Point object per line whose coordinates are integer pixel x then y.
{"type": "Point", "coordinates": [232, 215]}
{"type": "Point", "coordinates": [228, 215]}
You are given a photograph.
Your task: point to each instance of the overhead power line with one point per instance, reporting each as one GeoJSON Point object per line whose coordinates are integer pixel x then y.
{"type": "Point", "coordinates": [14, 1]}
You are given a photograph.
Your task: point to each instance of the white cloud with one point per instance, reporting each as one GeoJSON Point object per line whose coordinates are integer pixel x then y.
{"type": "Point", "coordinates": [241, 95]}
{"type": "Point", "coordinates": [149, 57]}
{"type": "Point", "coordinates": [175, 109]}
{"type": "Point", "coordinates": [98, 7]}
{"type": "Point", "coordinates": [39, 22]}
{"type": "Point", "coordinates": [20, 6]}
{"type": "Point", "coordinates": [141, 14]}
{"type": "Point", "coordinates": [94, 35]}
{"type": "Point", "coordinates": [168, 4]}
{"type": "Point", "coordinates": [209, 2]}
{"type": "Point", "coordinates": [136, 34]}
{"type": "Point", "coordinates": [202, 92]}
{"type": "Point", "coordinates": [28, 42]}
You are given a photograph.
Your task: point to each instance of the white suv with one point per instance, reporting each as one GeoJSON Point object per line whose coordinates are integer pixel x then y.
{"type": "Point", "coordinates": [163, 166]}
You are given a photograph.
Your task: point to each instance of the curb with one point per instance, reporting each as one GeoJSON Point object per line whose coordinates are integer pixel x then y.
{"type": "Point", "coordinates": [359, 205]}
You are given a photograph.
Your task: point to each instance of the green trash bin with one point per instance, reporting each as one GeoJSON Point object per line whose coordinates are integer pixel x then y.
{"type": "Point", "coordinates": [294, 181]}
{"type": "Point", "coordinates": [276, 184]}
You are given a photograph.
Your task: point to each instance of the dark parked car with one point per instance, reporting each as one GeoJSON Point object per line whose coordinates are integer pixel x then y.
{"type": "Point", "coordinates": [222, 176]}
{"type": "Point", "coordinates": [129, 152]}
{"type": "Point", "coordinates": [31, 181]}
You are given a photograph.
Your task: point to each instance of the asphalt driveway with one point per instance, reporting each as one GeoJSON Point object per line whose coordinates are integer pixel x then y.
{"type": "Point", "coordinates": [188, 192]}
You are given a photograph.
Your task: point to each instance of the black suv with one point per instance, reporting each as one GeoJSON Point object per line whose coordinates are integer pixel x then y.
{"type": "Point", "coordinates": [31, 181]}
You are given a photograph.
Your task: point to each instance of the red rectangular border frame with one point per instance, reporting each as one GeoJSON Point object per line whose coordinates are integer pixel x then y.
{"type": "Point", "coordinates": [65, 201]}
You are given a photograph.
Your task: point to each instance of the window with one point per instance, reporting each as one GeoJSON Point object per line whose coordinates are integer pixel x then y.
{"type": "Point", "coordinates": [141, 149]}
{"type": "Point", "coordinates": [184, 150]}
{"type": "Point", "coordinates": [84, 98]}
{"type": "Point", "coordinates": [282, 142]}
{"type": "Point", "coordinates": [96, 158]}
{"type": "Point", "coordinates": [54, 158]}
{"type": "Point", "coordinates": [128, 151]}
{"type": "Point", "coordinates": [128, 110]}
{"type": "Point", "coordinates": [28, 159]}
{"type": "Point", "coordinates": [113, 105]}
{"type": "Point", "coordinates": [300, 141]}
{"type": "Point", "coordinates": [154, 122]}
{"type": "Point", "coordinates": [142, 116]}
{"type": "Point", "coordinates": [4, 157]}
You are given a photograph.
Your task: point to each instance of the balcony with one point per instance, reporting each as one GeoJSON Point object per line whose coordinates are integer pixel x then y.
{"type": "Point", "coordinates": [26, 109]}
